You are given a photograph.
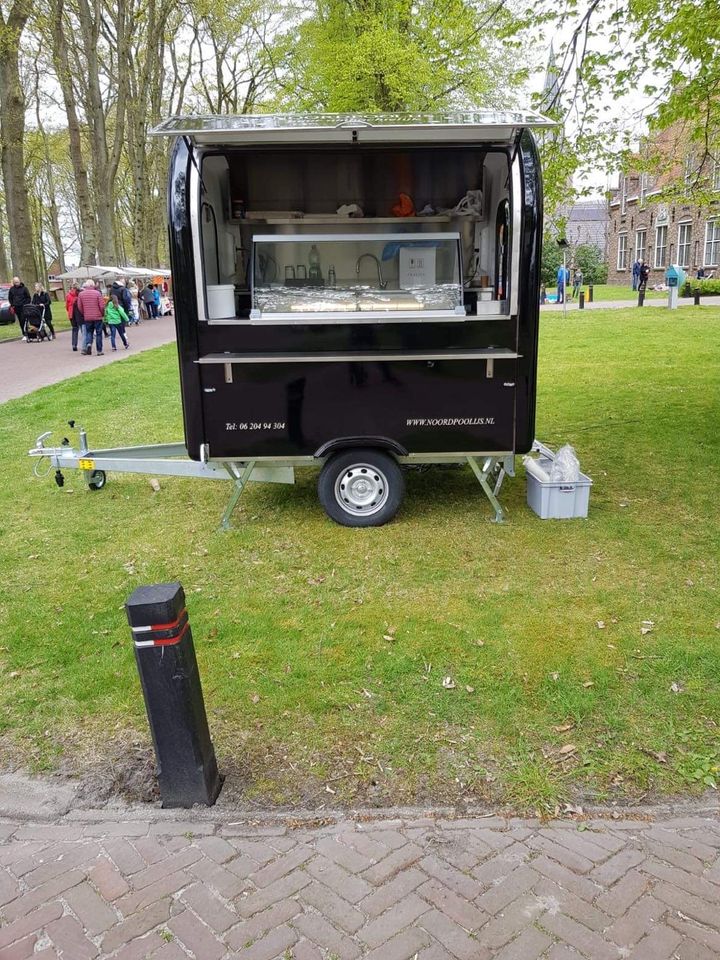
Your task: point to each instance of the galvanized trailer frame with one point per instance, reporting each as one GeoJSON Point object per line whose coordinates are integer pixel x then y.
{"type": "Point", "coordinates": [172, 460]}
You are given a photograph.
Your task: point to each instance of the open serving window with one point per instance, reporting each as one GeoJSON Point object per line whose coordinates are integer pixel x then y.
{"type": "Point", "coordinates": [356, 277]}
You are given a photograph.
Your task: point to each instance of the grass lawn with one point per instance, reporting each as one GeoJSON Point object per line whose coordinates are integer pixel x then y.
{"type": "Point", "coordinates": [607, 291]}
{"type": "Point", "coordinates": [323, 649]}
{"type": "Point", "coordinates": [11, 331]}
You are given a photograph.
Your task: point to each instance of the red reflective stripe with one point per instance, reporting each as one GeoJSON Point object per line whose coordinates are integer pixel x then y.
{"type": "Point", "coordinates": [170, 626]}
{"type": "Point", "coordinates": [167, 641]}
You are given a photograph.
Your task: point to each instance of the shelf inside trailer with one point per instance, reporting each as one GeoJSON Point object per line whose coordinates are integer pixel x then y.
{"type": "Point", "coordinates": [332, 218]}
{"type": "Point", "coordinates": [353, 356]}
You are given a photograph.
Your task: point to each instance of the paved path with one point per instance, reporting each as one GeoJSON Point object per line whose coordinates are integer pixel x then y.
{"type": "Point", "coordinates": [624, 304]}
{"type": "Point", "coordinates": [420, 889]}
{"type": "Point", "coordinates": [25, 367]}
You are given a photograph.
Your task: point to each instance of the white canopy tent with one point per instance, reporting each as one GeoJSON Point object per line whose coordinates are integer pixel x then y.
{"type": "Point", "coordinates": [91, 271]}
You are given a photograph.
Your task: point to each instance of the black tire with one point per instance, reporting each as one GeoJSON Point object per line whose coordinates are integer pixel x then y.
{"type": "Point", "coordinates": [97, 480]}
{"type": "Point", "coordinates": [361, 487]}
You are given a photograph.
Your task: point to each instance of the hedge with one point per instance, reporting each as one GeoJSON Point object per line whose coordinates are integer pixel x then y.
{"type": "Point", "coordinates": [704, 287]}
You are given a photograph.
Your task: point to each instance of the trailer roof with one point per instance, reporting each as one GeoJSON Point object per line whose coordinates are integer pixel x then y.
{"type": "Point", "coordinates": [470, 125]}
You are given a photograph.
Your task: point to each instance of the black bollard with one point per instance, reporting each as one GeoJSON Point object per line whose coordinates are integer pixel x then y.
{"type": "Point", "coordinates": [165, 655]}
{"type": "Point", "coordinates": [581, 300]}
{"type": "Point", "coordinates": [641, 295]}
{"type": "Point", "coordinates": [697, 298]}
{"type": "Point", "coordinates": [590, 293]}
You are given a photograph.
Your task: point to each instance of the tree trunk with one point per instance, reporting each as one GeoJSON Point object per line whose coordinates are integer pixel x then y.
{"type": "Point", "coordinates": [61, 62]}
{"type": "Point", "coordinates": [12, 132]}
{"type": "Point", "coordinates": [4, 264]}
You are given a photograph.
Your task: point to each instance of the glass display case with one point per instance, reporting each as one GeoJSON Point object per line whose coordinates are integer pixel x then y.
{"type": "Point", "coordinates": [354, 277]}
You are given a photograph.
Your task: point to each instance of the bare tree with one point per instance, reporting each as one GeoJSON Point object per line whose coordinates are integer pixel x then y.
{"type": "Point", "coordinates": [12, 133]}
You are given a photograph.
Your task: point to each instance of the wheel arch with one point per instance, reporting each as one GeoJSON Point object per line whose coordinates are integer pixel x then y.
{"type": "Point", "coordinates": [346, 443]}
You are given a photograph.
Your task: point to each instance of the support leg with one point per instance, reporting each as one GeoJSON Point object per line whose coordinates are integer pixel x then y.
{"type": "Point", "coordinates": [241, 479]}
{"type": "Point", "coordinates": [483, 475]}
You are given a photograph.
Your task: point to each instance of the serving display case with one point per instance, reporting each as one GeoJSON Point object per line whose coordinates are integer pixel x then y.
{"type": "Point", "coordinates": [356, 277]}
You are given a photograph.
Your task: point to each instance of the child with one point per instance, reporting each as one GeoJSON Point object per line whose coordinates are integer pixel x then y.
{"type": "Point", "coordinates": [116, 318]}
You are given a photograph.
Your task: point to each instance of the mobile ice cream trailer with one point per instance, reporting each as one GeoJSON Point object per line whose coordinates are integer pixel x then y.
{"type": "Point", "coordinates": [359, 293]}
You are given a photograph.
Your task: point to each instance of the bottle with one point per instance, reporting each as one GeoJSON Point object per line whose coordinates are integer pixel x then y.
{"type": "Point", "coordinates": [332, 279]}
{"type": "Point", "coordinates": [314, 261]}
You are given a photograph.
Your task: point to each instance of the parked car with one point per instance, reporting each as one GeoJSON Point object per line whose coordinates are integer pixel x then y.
{"type": "Point", "coordinates": [5, 315]}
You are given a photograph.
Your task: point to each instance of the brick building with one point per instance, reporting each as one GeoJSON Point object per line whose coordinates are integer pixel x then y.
{"type": "Point", "coordinates": [647, 222]}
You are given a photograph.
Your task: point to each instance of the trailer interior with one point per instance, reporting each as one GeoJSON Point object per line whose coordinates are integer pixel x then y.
{"type": "Point", "coordinates": [339, 216]}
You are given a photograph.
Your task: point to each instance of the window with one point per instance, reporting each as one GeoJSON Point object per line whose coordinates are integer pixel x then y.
{"type": "Point", "coordinates": [660, 246]}
{"type": "Point", "coordinates": [712, 243]}
{"type": "Point", "coordinates": [684, 241]}
{"type": "Point", "coordinates": [640, 244]}
{"type": "Point", "coordinates": [689, 168]}
{"type": "Point", "coordinates": [623, 195]}
{"type": "Point", "coordinates": [622, 252]}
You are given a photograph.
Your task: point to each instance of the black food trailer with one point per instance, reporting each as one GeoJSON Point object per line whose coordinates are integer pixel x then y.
{"type": "Point", "coordinates": [356, 292]}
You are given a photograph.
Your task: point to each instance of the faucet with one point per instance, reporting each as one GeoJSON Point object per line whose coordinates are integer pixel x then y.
{"type": "Point", "coordinates": [382, 284]}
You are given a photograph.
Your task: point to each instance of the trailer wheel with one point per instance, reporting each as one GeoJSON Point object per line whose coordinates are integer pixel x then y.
{"type": "Point", "coordinates": [97, 480]}
{"type": "Point", "coordinates": [361, 488]}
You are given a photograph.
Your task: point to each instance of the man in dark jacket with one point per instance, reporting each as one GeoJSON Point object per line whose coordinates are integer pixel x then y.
{"type": "Point", "coordinates": [18, 297]}
{"type": "Point", "coordinates": [120, 290]}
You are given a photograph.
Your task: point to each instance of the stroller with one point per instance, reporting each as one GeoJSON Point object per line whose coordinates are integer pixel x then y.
{"type": "Point", "coordinates": [34, 323]}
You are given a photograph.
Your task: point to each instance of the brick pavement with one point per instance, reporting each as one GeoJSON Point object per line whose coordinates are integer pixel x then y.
{"type": "Point", "coordinates": [424, 889]}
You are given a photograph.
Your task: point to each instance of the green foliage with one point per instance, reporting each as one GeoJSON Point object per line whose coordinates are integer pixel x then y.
{"type": "Point", "coordinates": [704, 287]}
{"type": "Point", "coordinates": [589, 258]}
{"type": "Point", "coordinates": [551, 259]}
{"type": "Point", "coordinates": [393, 56]}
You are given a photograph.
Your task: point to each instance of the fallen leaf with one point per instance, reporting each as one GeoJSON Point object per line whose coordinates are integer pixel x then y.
{"type": "Point", "coordinates": [236, 655]}
{"type": "Point", "coordinates": [448, 683]}
{"type": "Point", "coordinates": [366, 693]}
{"type": "Point", "coordinates": [555, 676]}
{"type": "Point", "coordinates": [329, 789]}
{"type": "Point", "coordinates": [470, 689]}
{"type": "Point", "coordinates": [314, 581]}
{"type": "Point", "coordinates": [255, 698]}
{"type": "Point", "coordinates": [676, 687]}
{"type": "Point", "coordinates": [564, 727]}
{"type": "Point", "coordinates": [600, 624]}
{"type": "Point", "coordinates": [573, 808]}
{"type": "Point", "coordinates": [689, 582]}
{"type": "Point", "coordinates": [646, 626]}
{"type": "Point", "coordinates": [567, 749]}
{"type": "Point", "coordinates": [155, 484]}
{"type": "Point", "coordinates": [389, 637]}
{"type": "Point", "coordinates": [481, 643]}
{"type": "Point", "coordinates": [611, 646]}
{"type": "Point", "coordinates": [14, 673]}
{"type": "Point", "coordinates": [589, 683]}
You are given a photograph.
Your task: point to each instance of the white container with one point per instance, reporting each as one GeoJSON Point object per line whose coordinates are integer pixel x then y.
{"type": "Point", "coordinates": [555, 500]}
{"type": "Point", "coordinates": [220, 300]}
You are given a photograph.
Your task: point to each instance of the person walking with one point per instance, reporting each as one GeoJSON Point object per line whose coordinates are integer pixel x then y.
{"type": "Point", "coordinates": [643, 275]}
{"type": "Point", "coordinates": [18, 298]}
{"type": "Point", "coordinates": [41, 298]}
{"type": "Point", "coordinates": [147, 299]}
{"type": "Point", "coordinates": [563, 277]}
{"type": "Point", "coordinates": [91, 305]}
{"type": "Point", "coordinates": [116, 318]}
{"type": "Point", "coordinates": [119, 289]}
{"type": "Point", "coordinates": [636, 274]}
{"type": "Point", "coordinates": [73, 314]}
{"type": "Point", "coordinates": [577, 282]}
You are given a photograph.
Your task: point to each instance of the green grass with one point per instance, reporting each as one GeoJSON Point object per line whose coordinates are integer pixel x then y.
{"type": "Point", "coordinates": [11, 331]}
{"type": "Point", "coordinates": [607, 291]}
{"type": "Point", "coordinates": [322, 649]}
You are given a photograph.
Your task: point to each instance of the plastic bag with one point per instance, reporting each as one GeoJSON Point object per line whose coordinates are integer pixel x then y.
{"type": "Point", "coordinates": [565, 468]}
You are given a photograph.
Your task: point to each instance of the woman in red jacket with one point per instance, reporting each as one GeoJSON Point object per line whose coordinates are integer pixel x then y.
{"type": "Point", "coordinates": [70, 301]}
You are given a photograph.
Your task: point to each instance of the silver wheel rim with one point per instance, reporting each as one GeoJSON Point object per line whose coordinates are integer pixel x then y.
{"type": "Point", "coordinates": [361, 490]}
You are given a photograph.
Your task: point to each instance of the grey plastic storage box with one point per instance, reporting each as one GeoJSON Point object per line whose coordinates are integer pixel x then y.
{"type": "Point", "coordinates": [556, 500]}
